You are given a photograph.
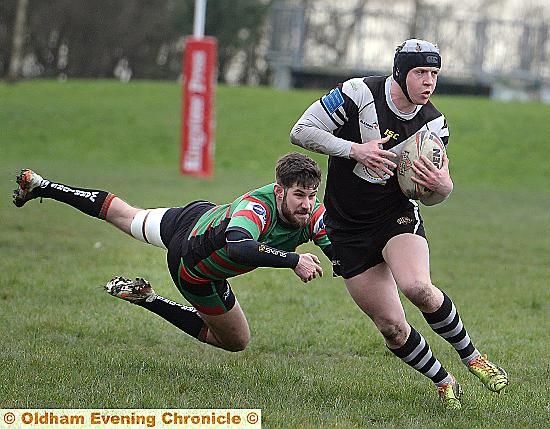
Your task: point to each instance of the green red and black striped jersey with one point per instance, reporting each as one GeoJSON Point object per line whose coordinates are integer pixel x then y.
{"type": "Point", "coordinates": [206, 258]}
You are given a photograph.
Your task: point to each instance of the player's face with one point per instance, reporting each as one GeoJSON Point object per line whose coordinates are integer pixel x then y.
{"type": "Point", "coordinates": [296, 204]}
{"type": "Point", "coordinates": [421, 82]}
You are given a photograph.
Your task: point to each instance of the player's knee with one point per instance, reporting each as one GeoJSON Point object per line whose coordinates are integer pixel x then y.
{"type": "Point", "coordinates": [420, 293]}
{"type": "Point", "coordinates": [237, 343]}
{"type": "Point", "coordinates": [394, 333]}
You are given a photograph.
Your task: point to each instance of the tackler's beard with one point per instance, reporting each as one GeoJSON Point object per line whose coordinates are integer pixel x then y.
{"type": "Point", "coordinates": [292, 218]}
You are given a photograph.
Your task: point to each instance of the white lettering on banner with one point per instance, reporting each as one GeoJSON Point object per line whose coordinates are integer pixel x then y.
{"type": "Point", "coordinates": [197, 136]}
{"type": "Point", "coordinates": [198, 72]}
{"type": "Point", "coordinates": [197, 143]}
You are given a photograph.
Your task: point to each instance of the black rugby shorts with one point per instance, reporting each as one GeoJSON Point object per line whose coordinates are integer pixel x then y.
{"type": "Point", "coordinates": [357, 251]}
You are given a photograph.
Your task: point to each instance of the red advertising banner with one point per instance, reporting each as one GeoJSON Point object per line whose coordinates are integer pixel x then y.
{"type": "Point", "coordinates": [198, 116]}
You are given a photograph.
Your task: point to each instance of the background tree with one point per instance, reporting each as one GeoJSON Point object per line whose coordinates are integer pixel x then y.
{"type": "Point", "coordinates": [19, 29]}
{"type": "Point", "coordinates": [239, 27]}
{"type": "Point", "coordinates": [85, 39]}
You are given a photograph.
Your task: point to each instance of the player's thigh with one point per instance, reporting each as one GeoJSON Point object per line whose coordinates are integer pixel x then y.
{"type": "Point", "coordinates": [229, 330]}
{"type": "Point", "coordinates": [408, 258]}
{"type": "Point", "coordinates": [375, 292]}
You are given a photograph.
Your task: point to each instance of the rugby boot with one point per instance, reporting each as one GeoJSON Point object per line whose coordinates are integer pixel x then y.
{"type": "Point", "coordinates": [450, 394]}
{"type": "Point", "coordinates": [27, 181]}
{"type": "Point", "coordinates": [134, 291]}
{"type": "Point", "coordinates": [492, 376]}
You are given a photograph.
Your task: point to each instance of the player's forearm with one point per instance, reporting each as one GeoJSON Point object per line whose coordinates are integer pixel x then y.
{"type": "Point", "coordinates": [319, 141]}
{"type": "Point", "coordinates": [434, 198]}
{"type": "Point", "coordinates": [253, 253]}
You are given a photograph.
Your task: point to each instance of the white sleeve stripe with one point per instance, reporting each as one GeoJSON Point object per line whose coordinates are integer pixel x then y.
{"type": "Point", "coordinates": [341, 115]}
{"type": "Point", "coordinates": [317, 115]}
{"type": "Point", "coordinates": [239, 241]}
{"type": "Point", "coordinates": [365, 106]}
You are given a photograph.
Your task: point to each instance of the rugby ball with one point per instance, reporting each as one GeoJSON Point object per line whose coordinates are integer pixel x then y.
{"type": "Point", "coordinates": [425, 143]}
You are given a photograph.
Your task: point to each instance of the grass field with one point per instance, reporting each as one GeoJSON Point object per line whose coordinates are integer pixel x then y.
{"type": "Point", "coordinates": [314, 360]}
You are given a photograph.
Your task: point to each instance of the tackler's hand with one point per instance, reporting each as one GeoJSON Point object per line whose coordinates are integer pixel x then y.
{"type": "Point", "coordinates": [308, 267]}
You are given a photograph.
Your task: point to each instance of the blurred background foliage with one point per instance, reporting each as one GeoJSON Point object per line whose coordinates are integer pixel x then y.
{"type": "Point", "coordinates": [102, 38]}
{"type": "Point", "coordinates": [290, 43]}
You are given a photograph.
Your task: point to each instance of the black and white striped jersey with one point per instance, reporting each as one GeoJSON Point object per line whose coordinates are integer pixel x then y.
{"type": "Point", "coordinates": [360, 110]}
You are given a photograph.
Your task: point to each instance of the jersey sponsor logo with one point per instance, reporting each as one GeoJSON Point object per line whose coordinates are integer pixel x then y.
{"type": "Point", "coordinates": [392, 134]}
{"type": "Point", "coordinates": [266, 249]}
{"type": "Point", "coordinates": [373, 126]}
{"type": "Point", "coordinates": [226, 294]}
{"type": "Point", "coordinates": [333, 100]}
{"type": "Point", "coordinates": [44, 183]}
{"type": "Point", "coordinates": [336, 268]}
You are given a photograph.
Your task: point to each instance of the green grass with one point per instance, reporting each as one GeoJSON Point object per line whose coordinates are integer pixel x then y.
{"type": "Point", "coordinates": [314, 360]}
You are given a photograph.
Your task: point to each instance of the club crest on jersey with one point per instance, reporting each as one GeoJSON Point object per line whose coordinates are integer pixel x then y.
{"type": "Point", "coordinates": [333, 100]}
{"type": "Point", "coordinates": [259, 210]}
{"type": "Point", "coordinates": [404, 220]}
{"type": "Point", "coordinates": [319, 224]}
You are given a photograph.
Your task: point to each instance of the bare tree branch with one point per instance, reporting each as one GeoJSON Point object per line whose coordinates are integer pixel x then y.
{"type": "Point", "coordinates": [19, 30]}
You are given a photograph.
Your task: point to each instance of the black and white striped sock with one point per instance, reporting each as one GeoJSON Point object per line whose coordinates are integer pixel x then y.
{"type": "Point", "coordinates": [447, 323]}
{"type": "Point", "coordinates": [417, 353]}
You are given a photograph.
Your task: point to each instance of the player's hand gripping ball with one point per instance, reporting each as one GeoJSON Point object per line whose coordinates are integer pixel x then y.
{"type": "Point", "coordinates": [425, 143]}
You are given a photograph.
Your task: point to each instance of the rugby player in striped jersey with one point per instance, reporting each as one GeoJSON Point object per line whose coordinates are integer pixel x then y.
{"type": "Point", "coordinates": [377, 233]}
{"type": "Point", "coordinates": [207, 243]}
